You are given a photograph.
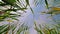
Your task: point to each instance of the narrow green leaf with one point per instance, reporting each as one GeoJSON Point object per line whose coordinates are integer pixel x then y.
{"type": "Point", "coordinates": [4, 29]}
{"type": "Point", "coordinates": [1, 27]}
{"type": "Point", "coordinates": [14, 18]}
{"type": "Point", "coordinates": [46, 3]}
{"type": "Point", "coordinates": [27, 2]}
{"type": "Point", "coordinates": [32, 10]}
{"type": "Point", "coordinates": [19, 31]}
{"type": "Point", "coordinates": [11, 2]}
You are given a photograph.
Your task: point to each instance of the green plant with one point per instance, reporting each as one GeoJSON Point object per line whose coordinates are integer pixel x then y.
{"type": "Point", "coordinates": [4, 29]}
{"type": "Point", "coordinates": [48, 28]}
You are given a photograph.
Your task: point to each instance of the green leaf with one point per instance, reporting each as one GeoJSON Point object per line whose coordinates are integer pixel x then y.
{"type": "Point", "coordinates": [14, 18]}
{"type": "Point", "coordinates": [27, 2]}
{"type": "Point", "coordinates": [13, 27]}
{"type": "Point", "coordinates": [1, 27]}
{"type": "Point", "coordinates": [32, 10]}
{"type": "Point", "coordinates": [46, 3]}
{"type": "Point", "coordinates": [5, 28]}
{"type": "Point", "coordinates": [11, 2]}
{"type": "Point", "coordinates": [19, 31]}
